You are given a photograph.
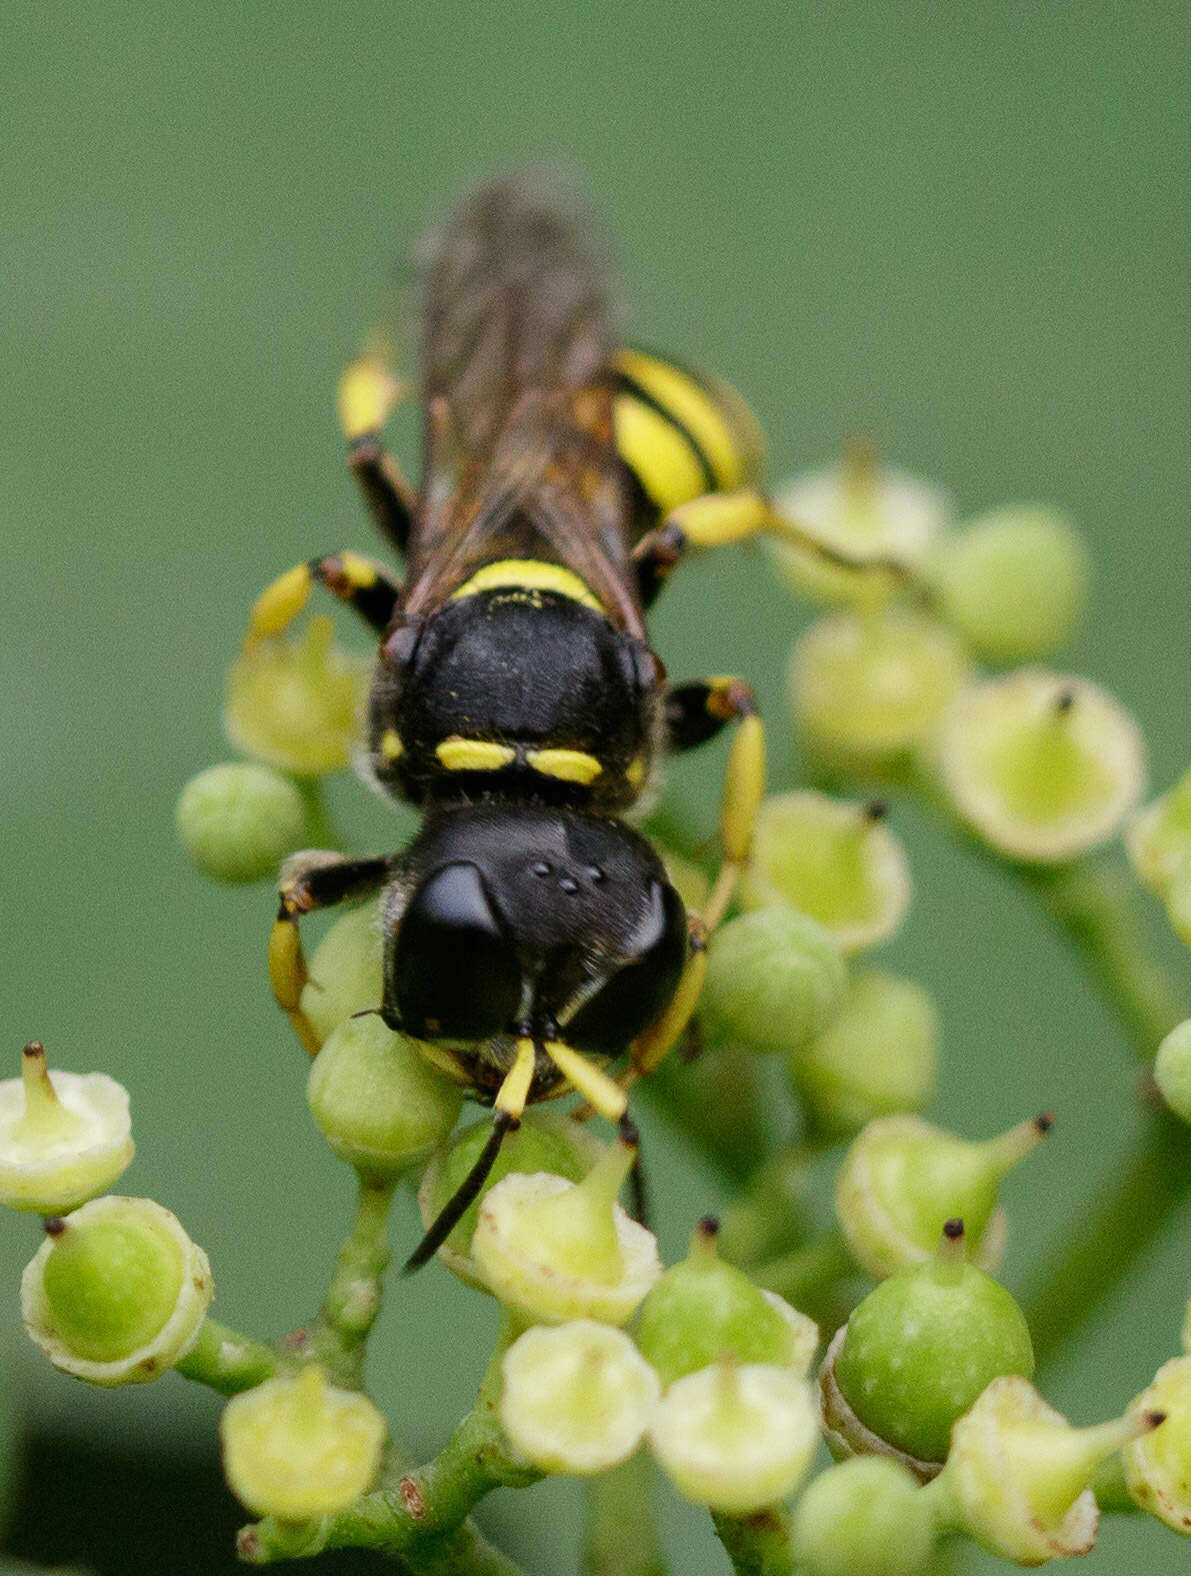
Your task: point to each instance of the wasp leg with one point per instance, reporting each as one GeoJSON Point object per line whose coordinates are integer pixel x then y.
{"type": "Point", "coordinates": [308, 882]}
{"type": "Point", "coordinates": [367, 394]}
{"type": "Point", "coordinates": [350, 576]}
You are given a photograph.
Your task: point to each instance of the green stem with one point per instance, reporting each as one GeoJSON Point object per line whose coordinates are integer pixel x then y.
{"type": "Point", "coordinates": [757, 1545]}
{"type": "Point", "coordinates": [320, 829]}
{"type": "Point", "coordinates": [353, 1298]}
{"type": "Point", "coordinates": [621, 1537]}
{"type": "Point", "coordinates": [227, 1361]}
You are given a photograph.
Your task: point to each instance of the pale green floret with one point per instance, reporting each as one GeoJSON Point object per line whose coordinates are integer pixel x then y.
{"type": "Point", "coordinates": [345, 972]}
{"type": "Point", "coordinates": [1158, 1464]}
{"type": "Point", "coordinates": [237, 822]}
{"type": "Point", "coordinates": [64, 1137]}
{"type": "Point", "coordinates": [296, 1448]}
{"type": "Point", "coordinates": [1172, 1070]}
{"type": "Point", "coordinates": [1158, 837]}
{"type": "Point", "coordinates": [1014, 582]}
{"type": "Point", "coordinates": [576, 1398]}
{"type": "Point", "coordinates": [1178, 899]}
{"type": "Point", "coordinates": [774, 978]}
{"type": "Point", "coordinates": [687, 880]}
{"type": "Point", "coordinates": [377, 1101]}
{"type": "Point", "coordinates": [867, 1515]}
{"type": "Point", "coordinates": [877, 1057]}
{"type": "Point", "coordinates": [117, 1293]}
{"type": "Point", "coordinates": [832, 860]}
{"type": "Point", "coordinates": [867, 689]}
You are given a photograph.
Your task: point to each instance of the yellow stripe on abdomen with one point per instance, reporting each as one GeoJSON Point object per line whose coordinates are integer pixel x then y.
{"type": "Point", "coordinates": [721, 432]}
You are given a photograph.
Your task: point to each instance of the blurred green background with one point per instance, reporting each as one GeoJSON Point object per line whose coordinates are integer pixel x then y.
{"type": "Point", "coordinates": [962, 227]}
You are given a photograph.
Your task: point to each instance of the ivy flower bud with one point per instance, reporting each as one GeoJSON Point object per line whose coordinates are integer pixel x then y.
{"type": "Point", "coordinates": [877, 1057]}
{"type": "Point", "coordinates": [868, 689]}
{"type": "Point", "coordinates": [297, 705]}
{"type": "Point", "coordinates": [774, 978]}
{"type": "Point", "coordinates": [837, 862]}
{"type": "Point", "coordinates": [117, 1293]}
{"type": "Point", "coordinates": [576, 1398]}
{"type": "Point", "coordinates": [1178, 899]}
{"type": "Point", "coordinates": [1158, 837]}
{"type": "Point", "coordinates": [1017, 1477]}
{"type": "Point", "coordinates": [735, 1438]}
{"type": "Point", "coordinates": [688, 881]}
{"type": "Point", "coordinates": [915, 1354]}
{"type": "Point", "coordinates": [556, 1250]}
{"type": "Point", "coordinates": [238, 821]}
{"type": "Point", "coordinates": [1014, 582]}
{"type": "Point", "coordinates": [345, 972]}
{"type": "Point", "coordinates": [1158, 1463]}
{"type": "Point", "coordinates": [1172, 1070]}
{"type": "Point", "coordinates": [377, 1101]}
{"type": "Point", "coordinates": [296, 1448]}
{"type": "Point", "coordinates": [704, 1308]}
{"type": "Point", "coordinates": [64, 1137]}
{"type": "Point", "coordinates": [865, 1515]}
{"type": "Point", "coordinates": [544, 1141]}
{"type": "Point", "coordinates": [1042, 766]}
{"type": "Point", "coordinates": [902, 1177]}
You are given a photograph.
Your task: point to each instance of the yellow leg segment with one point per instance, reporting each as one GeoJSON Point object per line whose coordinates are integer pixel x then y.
{"type": "Point", "coordinates": [602, 1093]}
{"type": "Point", "coordinates": [287, 974]}
{"type": "Point", "coordinates": [346, 575]}
{"type": "Point", "coordinates": [514, 1091]}
{"type": "Point", "coordinates": [368, 392]}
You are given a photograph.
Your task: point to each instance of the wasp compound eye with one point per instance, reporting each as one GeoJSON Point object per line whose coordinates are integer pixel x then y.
{"type": "Point", "coordinates": [455, 973]}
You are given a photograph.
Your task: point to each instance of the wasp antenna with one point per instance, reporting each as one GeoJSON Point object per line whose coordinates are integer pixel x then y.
{"type": "Point", "coordinates": [456, 1206]}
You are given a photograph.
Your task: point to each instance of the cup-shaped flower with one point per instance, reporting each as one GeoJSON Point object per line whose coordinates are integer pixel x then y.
{"type": "Point", "coordinates": [1158, 1463]}
{"type": "Point", "coordinates": [864, 1515]}
{"type": "Point", "coordinates": [1042, 766]}
{"type": "Point", "coordinates": [915, 1354]}
{"type": "Point", "coordinates": [554, 1250]}
{"type": "Point", "coordinates": [1158, 837]}
{"type": "Point", "coordinates": [238, 821]}
{"type": "Point", "coordinates": [577, 1397]}
{"type": "Point", "coordinates": [867, 689]}
{"type": "Point", "coordinates": [1014, 582]}
{"type": "Point", "coordinates": [735, 1437]}
{"type": "Point", "coordinates": [835, 861]}
{"type": "Point", "coordinates": [901, 1178]}
{"type": "Point", "coordinates": [377, 1101]}
{"type": "Point", "coordinates": [1172, 1070]}
{"type": "Point", "coordinates": [117, 1293]}
{"type": "Point", "coordinates": [774, 978]}
{"type": "Point", "coordinates": [64, 1137]}
{"type": "Point", "coordinates": [877, 1057]}
{"type": "Point", "coordinates": [1017, 1477]}
{"type": "Point", "coordinates": [297, 705]}
{"type": "Point", "coordinates": [704, 1308]}
{"type": "Point", "coordinates": [297, 1448]}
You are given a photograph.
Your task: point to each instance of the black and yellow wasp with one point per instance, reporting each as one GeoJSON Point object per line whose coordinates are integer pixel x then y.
{"type": "Point", "coordinates": [530, 935]}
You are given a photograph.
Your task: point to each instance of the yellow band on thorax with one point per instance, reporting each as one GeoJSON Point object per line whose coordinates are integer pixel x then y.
{"type": "Point", "coordinates": [529, 574]}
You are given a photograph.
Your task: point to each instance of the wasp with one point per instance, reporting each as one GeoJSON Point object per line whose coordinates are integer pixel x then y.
{"type": "Point", "coordinates": [531, 937]}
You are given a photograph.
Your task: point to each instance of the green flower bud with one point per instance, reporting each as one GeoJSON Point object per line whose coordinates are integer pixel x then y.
{"type": "Point", "coordinates": [1042, 766]}
{"type": "Point", "coordinates": [837, 862]}
{"type": "Point", "coordinates": [1158, 1463]}
{"type": "Point", "coordinates": [576, 1398]}
{"type": "Point", "coordinates": [1178, 899]}
{"type": "Point", "coordinates": [865, 1515]}
{"type": "Point", "coordinates": [545, 1141]}
{"type": "Point", "coordinates": [297, 705]}
{"type": "Point", "coordinates": [902, 1177]}
{"type": "Point", "coordinates": [377, 1101]}
{"type": "Point", "coordinates": [296, 1448]}
{"type": "Point", "coordinates": [237, 822]}
{"type": "Point", "coordinates": [774, 978]}
{"type": "Point", "coordinates": [877, 1057]}
{"type": "Point", "coordinates": [345, 972]}
{"type": "Point", "coordinates": [117, 1293]}
{"type": "Point", "coordinates": [1158, 838]}
{"type": "Point", "coordinates": [916, 1353]}
{"type": "Point", "coordinates": [704, 1308]}
{"type": "Point", "coordinates": [869, 511]}
{"type": "Point", "coordinates": [688, 881]}
{"type": "Point", "coordinates": [735, 1438]}
{"type": "Point", "coordinates": [1014, 582]}
{"type": "Point", "coordinates": [1017, 1477]}
{"type": "Point", "coordinates": [1172, 1070]}
{"type": "Point", "coordinates": [64, 1137]}
{"type": "Point", "coordinates": [867, 689]}
{"type": "Point", "coordinates": [555, 1250]}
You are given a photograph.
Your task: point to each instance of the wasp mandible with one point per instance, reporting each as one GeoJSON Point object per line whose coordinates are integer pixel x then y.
{"type": "Point", "coordinates": [531, 936]}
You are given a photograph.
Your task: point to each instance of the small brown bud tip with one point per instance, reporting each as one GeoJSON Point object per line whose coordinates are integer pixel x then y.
{"type": "Point", "coordinates": [54, 1225]}
{"type": "Point", "coordinates": [1154, 1419]}
{"type": "Point", "coordinates": [709, 1226]}
{"type": "Point", "coordinates": [953, 1230]}
{"type": "Point", "coordinates": [34, 1048]}
{"type": "Point", "coordinates": [1064, 701]}
{"type": "Point", "coordinates": [630, 1135]}
{"type": "Point", "coordinates": [876, 810]}
{"type": "Point", "coordinates": [1044, 1122]}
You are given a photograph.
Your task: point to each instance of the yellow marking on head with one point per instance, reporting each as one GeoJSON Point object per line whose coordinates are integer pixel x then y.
{"type": "Point", "coordinates": [367, 392]}
{"type": "Point", "coordinates": [636, 770]}
{"type": "Point", "coordinates": [529, 574]}
{"type": "Point", "coordinates": [602, 1093]}
{"type": "Point", "coordinates": [695, 407]}
{"type": "Point", "coordinates": [280, 603]}
{"type": "Point", "coordinates": [474, 755]}
{"type": "Point", "coordinates": [446, 1061]}
{"type": "Point", "coordinates": [360, 571]}
{"type": "Point", "coordinates": [391, 746]}
{"type": "Point", "coordinates": [514, 1091]}
{"type": "Point", "coordinates": [569, 766]}
{"type": "Point", "coordinates": [657, 454]}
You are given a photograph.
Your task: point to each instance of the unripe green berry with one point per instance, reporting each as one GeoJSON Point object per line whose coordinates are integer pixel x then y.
{"type": "Point", "coordinates": [1172, 1070]}
{"type": "Point", "coordinates": [774, 978]}
{"type": "Point", "coordinates": [345, 970]}
{"type": "Point", "coordinates": [919, 1349]}
{"type": "Point", "coordinates": [867, 1515]}
{"type": "Point", "coordinates": [835, 861]}
{"type": "Point", "coordinates": [867, 688]}
{"type": "Point", "coordinates": [237, 822]}
{"type": "Point", "coordinates": [117, 1293]}
{"type": "Point", "coordinates": [1178, 899]}
{"type": "Point", "coordinates": [1014, 582]}
{"type": "Point", "coordinates": [703, 1308]}
{"type": "Point", "coordinates": [1158, 837]}
{"type": "Point", "coordinates": [877, 1057]}
{"type": "Point", "coordinates": [1158, 1463]}
{"type": "Point", "coordinates": [377, 1101]}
